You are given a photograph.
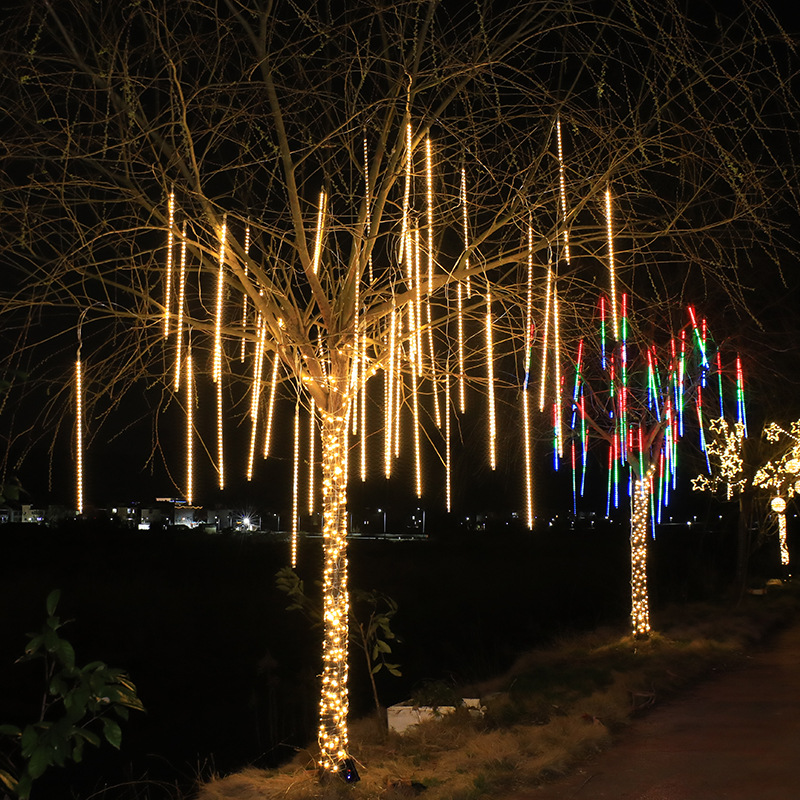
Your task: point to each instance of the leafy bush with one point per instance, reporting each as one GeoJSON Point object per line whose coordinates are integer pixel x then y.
{"type": "Point", "coordinates": [79, 705]}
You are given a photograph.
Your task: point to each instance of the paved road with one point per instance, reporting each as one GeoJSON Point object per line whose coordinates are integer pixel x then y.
{"type": "Point", "coordinates": [736, 737]}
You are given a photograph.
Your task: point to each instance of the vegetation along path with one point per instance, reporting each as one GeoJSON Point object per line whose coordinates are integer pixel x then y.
{"type": "Point", "coordinates": [736, 737]}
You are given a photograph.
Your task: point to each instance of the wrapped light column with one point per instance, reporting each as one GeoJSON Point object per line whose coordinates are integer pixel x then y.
{"type": "Point", "coordinates": [640, 608]}
{"type": "Point", "coordinates": [778, 505]}
{"type": "Point", "coordinates": [332, 734]}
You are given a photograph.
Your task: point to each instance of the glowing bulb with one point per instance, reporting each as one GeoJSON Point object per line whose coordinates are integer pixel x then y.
{"type": "Point", "coordinates": [778, 505]}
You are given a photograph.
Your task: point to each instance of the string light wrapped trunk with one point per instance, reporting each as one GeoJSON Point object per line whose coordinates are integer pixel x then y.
{"type": "Point", "coordinates": [332, 734]}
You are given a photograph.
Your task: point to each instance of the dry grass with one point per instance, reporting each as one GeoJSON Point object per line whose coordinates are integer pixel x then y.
{"type": "Point", "coordinates": [553, 707]}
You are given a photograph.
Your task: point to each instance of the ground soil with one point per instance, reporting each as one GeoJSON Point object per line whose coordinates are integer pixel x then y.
{"type": "Point", "coordinates": [734, 737]}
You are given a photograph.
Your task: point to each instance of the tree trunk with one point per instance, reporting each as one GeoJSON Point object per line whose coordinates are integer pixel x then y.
{"type": "Point", "coordinates": [332, 734]}
{"type": "Point", "coordinates": [640, 518]}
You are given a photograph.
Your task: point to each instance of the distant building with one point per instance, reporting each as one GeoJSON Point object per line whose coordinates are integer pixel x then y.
{"type": "Point", "coordinates": [128, 515]}
{"type": "Point", "coordinates": [188, 515]}
{"type": "Point", "coordinates": [31, 514]}
{"type": "Point", "coordinates": [10, 512]}
{"type": "Point", "coordinates": [154, 517]}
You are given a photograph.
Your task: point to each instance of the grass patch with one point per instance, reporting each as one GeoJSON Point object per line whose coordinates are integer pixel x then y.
{"type": "Point", "coordinates": [553, 707]}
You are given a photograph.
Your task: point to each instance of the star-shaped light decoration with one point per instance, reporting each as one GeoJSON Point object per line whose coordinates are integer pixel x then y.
{"type": "Point", "coordinates": [725, 449]}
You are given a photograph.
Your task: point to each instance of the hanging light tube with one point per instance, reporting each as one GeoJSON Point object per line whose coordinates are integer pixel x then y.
{"type": "Point", "coordinates": [462, 403]}
{"type": "Point", "coordinates": [611, 269]}
{"type": "Point", "coordinates": [490, 382]}
{"type": "Point", "coordinates": [312, 431]}
{"type": "Point", "coordinates": [465, 225]}
{"type": "Point", "coordinates": [295, 483]}
{"type": "Point", "coordinates": [168, 270]}
{"type": "Point", "coordinates": [181, 303]}
{"type": "Point", "coordinates": [79, 436]}
{"type": "Point", "coordinates": [367, 202]}
{"type": "Point", "coordinates": [189, 428]}
{"type": "Point", "coordinates": [244, 294]}
{"type": "Point", "coordinates": [318, 237]}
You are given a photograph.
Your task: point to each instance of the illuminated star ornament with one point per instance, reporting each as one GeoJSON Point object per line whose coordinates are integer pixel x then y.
{"type": "Point", "coordinates": [727, 466]}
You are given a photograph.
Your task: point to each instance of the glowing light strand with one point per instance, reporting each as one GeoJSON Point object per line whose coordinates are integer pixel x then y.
{"type": "Point", "coordinates": [462, 402]}
{"type": "Point", "coordinates": [78, 436]}
{"type": "Point", "coordinates": [181, 303]}
{"type": "Point", "coordinates": [367, 203]}
{"type": "Point", "coordinates": [416, 424]}
{"type": "Point", "coordinates": [389, 394]}
{"type": "Point", "coordinates": [189, 428]}
{"type": "Point", "coordinates": [490, 383]}
{"type": "Point", "coordinates": [244, 294]}
{"type": "Point", "coordinates": [312, 435]}
{"type": "Point", "coordinates": [295, 483]}
{"type": "Point", "coordinates": [217, 364]}
{"type": "Point", "coordinates": [465, 226]}
{"type": "Point", "coordinates": [563, 192]}
{"type": "Point", "coordinates": [168, 269]}
{"type": "Point", "coordinates": [319, 230]}
{"type": "Point", "coordinates": [611, 269]}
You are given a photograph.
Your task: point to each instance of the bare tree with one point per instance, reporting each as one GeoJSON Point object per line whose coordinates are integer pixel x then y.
{"type": "Point", "coordinates": [353, 187]}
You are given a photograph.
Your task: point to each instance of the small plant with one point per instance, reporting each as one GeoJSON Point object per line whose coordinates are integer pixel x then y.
{"type": "Point", "coordinates": [436, 693]}
{"type": "Point", "coordinates": [371, 616]}
{"type": "Point", "coordinates": [79, 705]}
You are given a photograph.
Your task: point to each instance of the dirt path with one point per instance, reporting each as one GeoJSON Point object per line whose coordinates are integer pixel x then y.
{"type": "Point", "coordinates": [736, 737]}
